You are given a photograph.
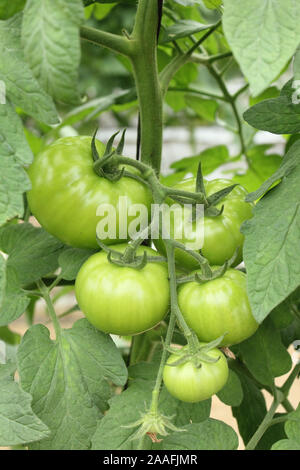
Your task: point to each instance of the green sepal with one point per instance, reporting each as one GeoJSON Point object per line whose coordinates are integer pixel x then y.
{"type": "Point", "coordinates": [220, 195]}
{"type": "Point", "coordinates": [153, 422]}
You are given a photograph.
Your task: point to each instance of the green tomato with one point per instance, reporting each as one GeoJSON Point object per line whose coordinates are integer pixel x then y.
{"type": "Point", "coordinates": [66, 193]}
{"type": "Point", "coordinates": [222, 234]}
{"type": "Point", "coordinates": [218, 307]}
{"type": "Point", "coordinates": [123, 300]}
{"type": "Point", "coordinates": [193, 384]}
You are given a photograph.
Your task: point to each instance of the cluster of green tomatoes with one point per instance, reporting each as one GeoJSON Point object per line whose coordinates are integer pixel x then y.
{"type": "Point", "coordinates": [128, 299]}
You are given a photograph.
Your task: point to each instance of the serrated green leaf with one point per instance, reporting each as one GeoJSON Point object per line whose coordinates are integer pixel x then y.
{"type": "Point", "coordinates": [68, 380]}
{"type": "Point", "coordinates": [71, 260]}
{"type": "Point", "coordinates": [271, 256]}
{"type": "Point", "coordinates": [50, 28]}
{"type": "Point", "coordinates": [232, 393]}
{"type": "Point", "coordinates": [18, 423]}
{"type": "Point", "coordinates": [13, 301]}
{"type": "Point", "coordinates": [263, 36]}
{"type": "Point", "coordinates": [265, 355]}
{"type": "Point", "coordinates": [12, 138]}
{"type": "Point", "coordinates": [21, 86]}
{"type": "Point", "coordinates": [208, 435]}
{"type": "Point", "coordinates": [33, 253]}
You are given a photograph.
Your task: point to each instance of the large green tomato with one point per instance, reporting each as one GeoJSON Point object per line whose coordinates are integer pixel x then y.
{"type": "Point", "coordinates": [222, 234]}
{"type": "Point", "coordinates": [192, 384]}
{"type": "Point", "coordinates": [123, 300]}
{"type": "Point", "coordinates": [218, 307]}
{"type": "Point", "coordinates": [66, 193]}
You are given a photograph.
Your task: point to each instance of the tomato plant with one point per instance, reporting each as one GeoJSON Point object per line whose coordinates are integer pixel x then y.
{"type": "Point", "coordinates": [149, 225]}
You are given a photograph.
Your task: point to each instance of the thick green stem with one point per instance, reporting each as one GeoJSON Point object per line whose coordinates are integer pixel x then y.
{"type": "Point", "coordinates": [144, 61]}
{"type": "Point", "coordinates": [119, 44]}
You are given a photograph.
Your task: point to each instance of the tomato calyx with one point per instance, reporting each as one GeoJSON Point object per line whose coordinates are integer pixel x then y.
{"type": "Point", "coordinates": [203, 277]}
{"type": "Point", "coordinates": [129, 259]}
{"type": "Point", "coordinates": [210, 202]}
{"type": "Point", "coordinates": [152, 423]}
{"type": "Point", "coordinates": [105, 166]}
{"type": "Point", "coordinates": [195, 356]}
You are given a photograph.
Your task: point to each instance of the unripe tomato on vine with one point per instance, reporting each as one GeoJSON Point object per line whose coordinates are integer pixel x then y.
{"type": "Point", "coordinates": [222, 236]}
{"type": "Point", "coordinates": [66, 192]}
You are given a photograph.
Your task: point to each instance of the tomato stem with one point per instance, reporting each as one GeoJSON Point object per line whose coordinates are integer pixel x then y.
{"type": "Point", "coordinates": [145, 68]}
{"type": "Point", "coordinates": [46, 295]}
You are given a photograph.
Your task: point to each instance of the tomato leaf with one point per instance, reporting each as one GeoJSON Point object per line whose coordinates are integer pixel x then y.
{"type": "Point", "coordinates": [260, 49]}
{"type": "Point", "coordinates": [270, 256]}
{"type": "Point", "coordinates": [12, 138]}
{"type": "Point", "coordinates": [262, 166]}
{"type": "Point", "coordinates": [9, 336]}
{"type": "Point", "coordinates": [292, 430]}
{"type": "Point", "coordinates": [252, 410]}
{"type": "Point", "coordinates": [33, 253]}
{"type": "Point", "coordinates": [264, 354]}
{"type": "Point", "coordinates": [232, 393]}
{"type": "Point", "coordinates": [210, 158]}
{"type": "Point", "coordinates": [18, 423]}
{"type": "Point", "coordinates": [55, 70]}
{"type": "Point", "coordinates": [202, 107]}
{"type": "Point", "coordinates": [13, 301]}
{"type": "Point", "coordinates": [71, 260]}
{"type": "Point", "coordinates": [208, 435]}
{"type": "Point", "coordinates": [279, 115]}
{"type": "Point", "coordinates": [181, 29]}
{"type": "Point", "coordinates": [68, 380]}
{"type": "Point", "coordinates": [124, 410]}
{"type": "Point", "coordinates": [21, 86]}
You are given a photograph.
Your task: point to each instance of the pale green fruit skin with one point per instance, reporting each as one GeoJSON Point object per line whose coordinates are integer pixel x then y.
{"type": "Point", "coordinates": [123, 300]}
{"type": "Point", "coordinates": [191, 384]}
{"type": "Point", "coordinates": [219, 307]}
